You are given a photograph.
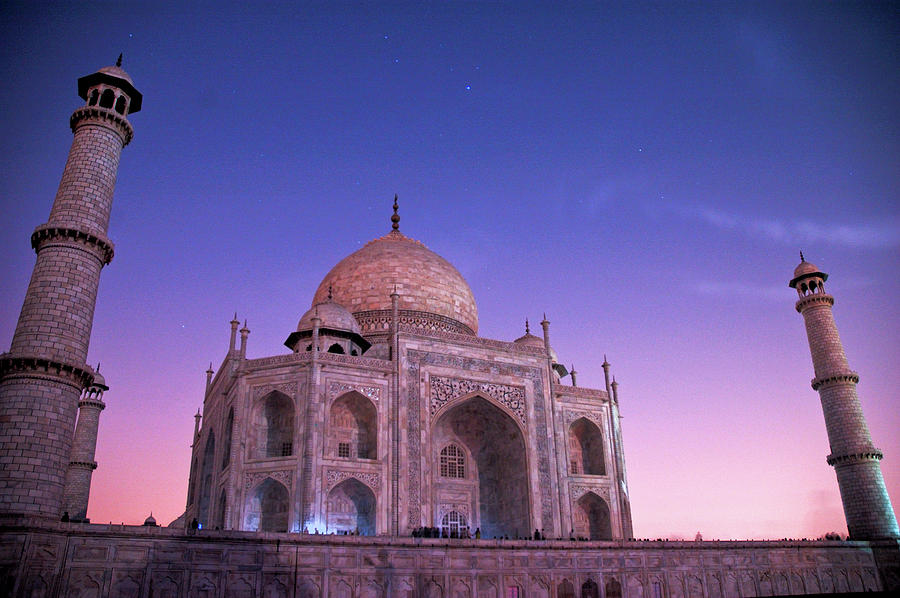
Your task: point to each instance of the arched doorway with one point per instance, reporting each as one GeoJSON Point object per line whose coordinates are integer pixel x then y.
{"type": "Point", "coordinates": [589, 589]}
{"type": "Point", "coordinates": [591, 518]}
{"type": "Point", "coordinates": [351, 508]}
{"type": "Point", "coordinates": [585, 448]}
{"type": "Point", "coordinates": [613, 588]}
{"type": "Point", "coordinates": [353, 425]}
{"type": "Point", "coordinates": [268, 508]}
{"type": "Point", "coordinates": [499, 474]}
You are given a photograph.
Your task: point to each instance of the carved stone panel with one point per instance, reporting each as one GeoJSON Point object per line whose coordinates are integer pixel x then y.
{"type": "Point", "coordinates": [444, 390]}
{"type": "Point", "coordinates": [333, 477]}
{"type": "Point", "coordinates": [336, 389]}
{"type": "Point", "coordinates": [288, 388]}
{"type": "Point", "coordinates": [251, 479]}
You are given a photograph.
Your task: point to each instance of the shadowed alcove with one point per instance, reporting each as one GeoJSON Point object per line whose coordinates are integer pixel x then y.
{"type": "Point", "coordinates": [497, 447]}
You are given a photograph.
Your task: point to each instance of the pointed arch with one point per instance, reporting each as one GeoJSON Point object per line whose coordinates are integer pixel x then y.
{"type": "Point", "coordinates": [586, 448]}
{"type": "Point", "coordinates": [565, 589]}
{"type": "Point", "coordinates": [206, 480]}
{"type": "Point", "coordinates": [267, 508]}
{"type": "Point", "coordinates": [226, 444]}
{"type": "Point", "coordinates": [613, 588]}
{"type": "Point", "coordinates": [589, 589]}
{"type": "Point", "coordinates": [107, 98]}
{"type": "Point", "coordinates": [517, 418]}
{"type": "Point", "coordinates": [223, 502]}
{"type": "Point", "coordinates": [494, 443]}
{"type": "Point", "coordinates": [272, 427]}
{"type": "Point", "coordinates": [351, 508]}
{"type": "Point", "coordinates": [591, 518]}
{"type": "Point", "coordinates": [352, 427]}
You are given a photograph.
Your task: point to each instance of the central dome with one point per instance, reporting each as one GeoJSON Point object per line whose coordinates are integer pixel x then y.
{"type": "Point", "coordinates": [433, 294]}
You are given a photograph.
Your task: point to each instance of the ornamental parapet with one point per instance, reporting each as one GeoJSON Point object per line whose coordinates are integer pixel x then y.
{"type": "Point", "coordinates": [104, 115]}
{"type": "Point", "coordinates": [46, 234]}
{"type": "Point", "coordinates": [92, 403]}
{"type": "Point", "coordinates": [378, 321]}
{"type": "Point", "coordinates": [580, 392]}
{"type": "Point", "coordinates": [89, 465]}
{"type": "Point", "coordinates": [46, 368]}
{"type": "Point", "coordinates": [476, 341]}
{"type": "Point", "coordinates": [822, 298]}
{"type": "Point", "coordinates": [826, 381]}
{"type": "Point", "coordinates": [323, 357]}
{"type": "Point", "coordinates": [872, 454]}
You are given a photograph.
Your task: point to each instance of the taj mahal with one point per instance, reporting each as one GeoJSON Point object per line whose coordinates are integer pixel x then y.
{"type": "Point", "coordinates": [389, 450]}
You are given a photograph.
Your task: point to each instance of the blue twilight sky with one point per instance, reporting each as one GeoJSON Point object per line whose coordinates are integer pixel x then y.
{"type": "Point", "coordinates": [644, 173]}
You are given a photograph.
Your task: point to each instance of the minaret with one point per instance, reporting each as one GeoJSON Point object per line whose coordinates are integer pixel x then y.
{"type": "Point", "coordinates": [867, 506]}
{"type": "Point", "coordinates": [84, 445]}
{"type": "Point", "coordinates": [44, 372]}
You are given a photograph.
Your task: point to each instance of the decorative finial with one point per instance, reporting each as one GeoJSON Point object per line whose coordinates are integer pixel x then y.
{"type": "Point", "coordinates": [98, 367]}
{"type": "Point", "coordinates": [802, 259]}
{"type": "Point", "coordinates": [119, 61]}
{"type": "Point", "coordinates": [527, 329]}
{"type": "Point", "coordinates": [395, 218]}
{"type": "Point", "coordinates": [330, 294]}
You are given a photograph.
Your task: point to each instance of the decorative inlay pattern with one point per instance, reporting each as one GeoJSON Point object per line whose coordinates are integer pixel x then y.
{"type": "Point", "coordinates": [288, 388]}
{"type": "Point", "coordinates": [444, 390]}
{"type": "Point", "coordinates": [338, 388]}
{"type": "Point", "coordinates": [571, 416]}
{"type": "Point", "coordinates": [576, 491]}
{"type": "Point", "coordinates": [251, 479]}
{"type": "Point", "coordinates": [333, 477]}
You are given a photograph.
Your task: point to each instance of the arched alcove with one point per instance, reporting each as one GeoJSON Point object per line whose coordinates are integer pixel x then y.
{"type": "Point", "coordinates": [226, 444]}
{"type": "Point", "coordinates": [591, 518]}
{"type": "Point", "coordinates": [272, 427]}
{"type": "Point", "coordinates": [589, 589]}
{"type": "Point", "coordinates": [192, 482]}
{"type": "Point", "coordinates": [353, 428]}
{"type": "Point", "coordinates": [613, 588]}
{"type": "Point", "coordinates": [586, 448]}
{"type": "Point", "coordinates": [120, 105]}
{"type": "Point", "coordinates": [223, 502]}
{"type": "Point", "coordinates": [565, 589]}
{"type": "Point", "coordinates": [267, 508]}
{"type": "Point", "coordinates": [497, 447]}
{"type": "Point", "coordinates": [351, 508]}
{"type": "Point", "coordinates": [206, 474]}
{"type": "Point", "coordinates": [107, 98]}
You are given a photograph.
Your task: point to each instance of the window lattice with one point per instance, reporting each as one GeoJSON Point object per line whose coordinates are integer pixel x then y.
{"type": "Point", "coordinates": [344, 450]}
{"type": "Point", "coordinates": [453, 462]}
{"type": "Point", "coordinates": [287, 449]}
{"type": "Point", "coordinates": [454, 522]}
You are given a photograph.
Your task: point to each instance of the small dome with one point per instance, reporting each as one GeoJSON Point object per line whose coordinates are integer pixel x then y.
{"type": "Point", "coordinates": [118, 72]}
{"type": "Point", "coordinates": [150, 521]}
{"type": "Point", "coordinates": [805, 268]}
{"type": "Point", "coordinates": [530, 340]}
{"type": "Point", "coordinates": [99, 381]}
{"type": "Point", "coordinates": [332, 315]}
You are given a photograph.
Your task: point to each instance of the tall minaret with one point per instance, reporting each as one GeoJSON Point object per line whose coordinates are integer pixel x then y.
{"type": "Point", "coordinates": [867, 506]}
{"type": "Point", "coordinates": [84, 445]}
{"type": "Point", "coordinates": [44, 372]}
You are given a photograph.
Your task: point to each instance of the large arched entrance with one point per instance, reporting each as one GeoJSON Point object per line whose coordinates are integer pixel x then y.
{"type": "Point", "coordinates": [272, 427]}
{"type": "Point", "coordinates": [351, 508]}
{"type": "Point", "coordinates": [498, 475]}
{"type": "Point", "coordinates": [267, 508]}
{"type": "Point", "coordinates": [353, 425]}
{"type": "Point", "coordinates": [591, 515]}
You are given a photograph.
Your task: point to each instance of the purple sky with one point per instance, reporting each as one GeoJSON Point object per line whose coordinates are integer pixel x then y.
{"type": "Point", "coordinates": [645, 174]}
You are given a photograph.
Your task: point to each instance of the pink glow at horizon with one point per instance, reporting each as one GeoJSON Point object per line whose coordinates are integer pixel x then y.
{"type": "Point", "coordinates": [645, 176]}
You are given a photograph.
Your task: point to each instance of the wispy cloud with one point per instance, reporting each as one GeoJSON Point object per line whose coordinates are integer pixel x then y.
{"type": "Point", "coordinates": [871, 235]}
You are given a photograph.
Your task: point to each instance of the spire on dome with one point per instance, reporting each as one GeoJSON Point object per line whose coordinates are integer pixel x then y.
{"type": "Point", "coordinates": [395, 218]}
{"type": "Point", "coordinates": [802, 259]}
{"type": "Point", "coordinates": [119, 61]}
{"type": "Point", "coordinates": [527, 329]}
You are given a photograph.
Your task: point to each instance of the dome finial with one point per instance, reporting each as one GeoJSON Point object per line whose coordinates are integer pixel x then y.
{"type": "Point", "coordinates": [395, 218]}
{"type": "Point", "coordinates": [802, 259]}
{"type": "Point", "coordinates": [119, 61]}
{"type": "Point", "coordinates": [527, 330]}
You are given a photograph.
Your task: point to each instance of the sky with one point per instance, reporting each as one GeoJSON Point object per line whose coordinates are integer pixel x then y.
{"type": "Point", "coordinates": [643, 173]}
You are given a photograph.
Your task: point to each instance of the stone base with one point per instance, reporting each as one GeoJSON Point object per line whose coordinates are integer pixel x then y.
{"type": "Point", "coordinates": [38, 558]}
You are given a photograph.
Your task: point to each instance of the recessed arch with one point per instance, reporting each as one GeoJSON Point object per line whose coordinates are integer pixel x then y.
{"type": "Point", "coordinates": [614, 588]}
{"type": "Point", "coordinates": [223, 502]}
{"type": "Point", "coordinates": [206, 475]}
{"type": "Point", "coordinates": [267, 508]}
{"type": "Point", "coordinates": [272, 427]}
{"type": "Point", "coordinates": [120, 104]}
{"type": "Point", "coordinates": [586, 448]}
{"type": "Point", "coordinates": [351, 508]}
{"type": "Point", "coordinates": [589, 589]}
{"type": "Point", "coordinates": [565, 589]}
{"type": "Point", "coordinates": [336, 348]}
{"type": "Point", "coordinates": [591, 518]}
{"type": "Point", "coordinates": [226, 444]}
{"type": "Point", "coordinates": [478, 395]}
{"type": "Point", "coordinates": [499, 497]}
{"type": "Point", "coordinates": [107, 98]}
{"type": "Point", "coordinates": [353, 427]}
